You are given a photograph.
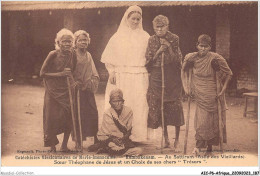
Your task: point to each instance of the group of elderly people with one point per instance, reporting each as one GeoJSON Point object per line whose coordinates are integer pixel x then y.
{"type": "Point", "coordinates": [146, 77]}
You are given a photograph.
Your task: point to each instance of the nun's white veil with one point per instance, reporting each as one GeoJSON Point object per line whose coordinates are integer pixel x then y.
{"type": "Point", "coordinates": [127, 46]}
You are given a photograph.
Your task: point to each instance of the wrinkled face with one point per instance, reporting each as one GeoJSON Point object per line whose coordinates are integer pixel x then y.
{"type": "Point", "coordinates": [160, 29]}
{"type": "Point", "coordinates": [203, 49]}
{"type": "Point", "coordinates": [82, 42]}
{"type": "Point", "coordinates": [65, 43]}
{"type": "Point", "coordinates": [134, 20]}
{"type": "Point", "coordinates": [117, 104]}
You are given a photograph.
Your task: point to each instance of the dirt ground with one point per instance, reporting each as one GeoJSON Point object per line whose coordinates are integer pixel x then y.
{"type": "Point", "coordinates": [22, 127]}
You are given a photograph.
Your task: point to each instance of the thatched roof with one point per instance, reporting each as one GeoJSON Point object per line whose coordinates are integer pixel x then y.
{"type": "Point", "coordinates": [59, 5]}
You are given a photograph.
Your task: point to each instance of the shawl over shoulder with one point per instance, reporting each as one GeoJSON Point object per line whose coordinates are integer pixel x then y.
{"type": "Point", "coordinates": [203, 79]}
{"type": "Point", "coordinates": [108, 127]}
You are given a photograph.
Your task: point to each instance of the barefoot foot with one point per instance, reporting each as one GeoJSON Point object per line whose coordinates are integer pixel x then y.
{"type": "Point", "coordinates": [53, 149]}
{"type": "Point", "coordinates": [65, 149]}
{"type": "Point", "coordinates": [195, 152]}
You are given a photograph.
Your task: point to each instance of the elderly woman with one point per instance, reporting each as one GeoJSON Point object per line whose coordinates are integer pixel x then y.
{"type": "Point", "coordinates": [56, 68]}
{"type": "Point", "coordinates": [116, 128]}
{"type": "Point", "coordinates": [206, 68]}
{"type": "Point", "coordinates": [87, 80]}
{"type": "Point", "coordinates": [164, 44]}
{"type": "Point", "coordinates": [124, 57]}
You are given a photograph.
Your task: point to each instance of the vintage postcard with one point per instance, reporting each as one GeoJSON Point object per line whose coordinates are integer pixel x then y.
{"type": "Point", "coordinates": [165, 85]}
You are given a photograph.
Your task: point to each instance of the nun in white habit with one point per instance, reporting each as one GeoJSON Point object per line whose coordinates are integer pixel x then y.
{"type": "Point", "coordinates": [124, 58]}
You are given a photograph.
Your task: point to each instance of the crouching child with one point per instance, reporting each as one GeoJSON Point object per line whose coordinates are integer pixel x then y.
{"type": "Point", "coordinates": [113, 136]}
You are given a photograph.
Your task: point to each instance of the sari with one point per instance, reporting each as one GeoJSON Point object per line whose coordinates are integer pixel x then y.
{"type": "Point", "coordinates": [88, 79]}
{"type": "Point", "coordinates": [57, 109]}
{"type": "Point", "coordinates": [173, 111]}
{"type": "Point", "coordinates": [204, 87]}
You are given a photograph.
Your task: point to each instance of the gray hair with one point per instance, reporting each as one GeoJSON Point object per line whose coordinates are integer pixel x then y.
{"type": "Point", "coordinates": [81, 32]}
{"type": "Point", "coordinates": [60, 34]}
{"type": "Point", "coordinates": [161, 19]}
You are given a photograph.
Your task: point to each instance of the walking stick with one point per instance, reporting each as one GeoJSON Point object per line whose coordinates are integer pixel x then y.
{"type": "Point", "coordinates": [188, 114]}
{"type": "Point", "coordinates": [162, 100]}
{"type": "Point", "coordinates": [71, 106]}
{"type": "Point", "coordinates": [220, 122]}
{"type": "Point", "coordinates": [79, 119]}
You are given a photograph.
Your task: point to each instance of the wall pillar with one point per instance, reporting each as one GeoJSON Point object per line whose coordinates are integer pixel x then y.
{"type": "Point", "coordinates": [13, 43]}
{"type": "Point", "coordinates": [68, 20]}
{"type": "Point", "coordinates": [223, 33]}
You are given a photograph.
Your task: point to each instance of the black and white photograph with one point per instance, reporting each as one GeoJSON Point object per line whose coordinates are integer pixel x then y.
{"type": "Point", "coordinates": [102, 85]}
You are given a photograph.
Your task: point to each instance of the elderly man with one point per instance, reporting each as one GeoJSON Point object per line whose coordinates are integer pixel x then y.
{"type": "Point", "coordinates": [164, 45]}
{"type": "Point", "coordinates": [116, 128]}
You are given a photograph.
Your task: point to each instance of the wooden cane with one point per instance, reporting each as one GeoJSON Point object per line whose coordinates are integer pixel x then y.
{"type": "Point", "coordinates": [162, 101]}
{"type": "Point", "coordinates": [220, 122]}
{"type": "Point", "coordinates": [71, 108]}
{"type": "Point", "coordinates": [79, 119]}
{"type": "Point", "coordinates": [188, 114]}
